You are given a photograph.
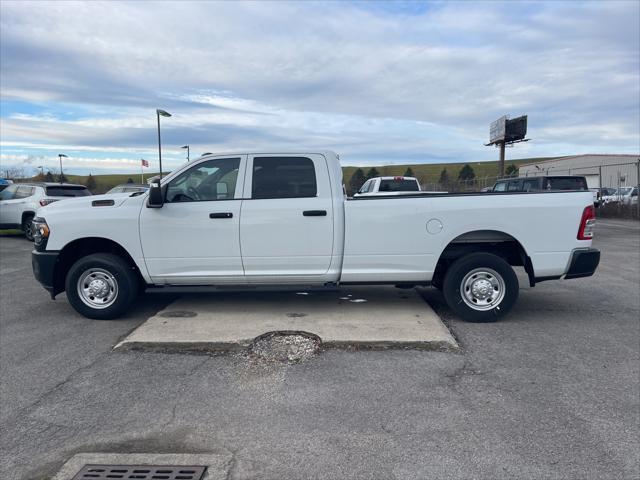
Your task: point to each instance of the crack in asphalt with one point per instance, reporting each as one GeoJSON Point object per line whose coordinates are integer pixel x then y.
{"type": "Point", "coordinates": [28, 409]}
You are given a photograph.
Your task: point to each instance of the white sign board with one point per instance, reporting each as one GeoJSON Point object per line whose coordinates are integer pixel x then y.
{"type": "Point", "coordinates": [498, 130]}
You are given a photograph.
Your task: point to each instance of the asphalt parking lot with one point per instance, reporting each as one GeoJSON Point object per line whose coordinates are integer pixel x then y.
{"type": "Point", "coordinates": [552, 391]}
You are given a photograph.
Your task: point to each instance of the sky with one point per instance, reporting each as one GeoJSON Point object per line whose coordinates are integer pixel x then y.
{"type": "Point", "coordinates": [377, 82]}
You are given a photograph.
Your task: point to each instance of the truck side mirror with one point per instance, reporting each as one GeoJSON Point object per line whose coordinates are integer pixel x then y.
{"type": "Point", "coordinates": [156, 196]}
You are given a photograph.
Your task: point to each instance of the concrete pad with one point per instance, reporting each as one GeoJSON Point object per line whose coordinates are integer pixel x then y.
{"type": "Point", "coordinates": [218, 463]}
{"type": "Point", "coordinates": [364, 317]}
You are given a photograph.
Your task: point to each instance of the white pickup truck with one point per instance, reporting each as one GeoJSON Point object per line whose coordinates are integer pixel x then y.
{"type": "Point", "coordinates": [388, 186]}
{"type": "Point", "coordinates": [265, 219]}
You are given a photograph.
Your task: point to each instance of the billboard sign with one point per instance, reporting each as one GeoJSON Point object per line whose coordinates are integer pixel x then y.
{"type": "Point", "coordinates": [497, 130]}
{"type": "Point", "coordinates": [516, 129]}
{"type": "Point", "coordinates": [505, 130]}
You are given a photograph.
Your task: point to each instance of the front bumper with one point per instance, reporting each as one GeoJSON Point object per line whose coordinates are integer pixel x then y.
{"type": "Point", "coordinates": [44, 265]}
{"type": "Point", "coordinates": [583, 263]}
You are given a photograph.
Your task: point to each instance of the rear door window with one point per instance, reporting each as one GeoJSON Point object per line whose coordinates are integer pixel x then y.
{"type": "Point", "coordinates": [24, 191]}
{"type": "Point", "coordinates": [530, 185]}
{"type": "Point", "coordinates": [66, 191]}
{"type": "Point", "coordinates": [500, 187]}
{"type": "Point", "coordinates": [283, 177]}
{"type": "Point", "coordinates": [514, 186]}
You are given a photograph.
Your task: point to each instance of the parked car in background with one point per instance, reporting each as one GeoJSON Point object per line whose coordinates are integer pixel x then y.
{"type": "Point", "coordinates": [632, 198]}
{"type": "Point", "coordinates": [4, 183]}
{"type": "Point", "coordinates": [623, 195]}
{"type": "Point", "coordinates": [540, 184]}
{"type": "Point", "coordinates": [389, 186]}
{"type": "Point", "coordinates": [129, 188]}
{"type": "Point", "coordinates": [19, 202]}
{"type": "Point", "coordinates": [545, 183]}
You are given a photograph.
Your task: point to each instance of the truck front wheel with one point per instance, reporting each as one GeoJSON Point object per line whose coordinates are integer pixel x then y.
{"type": "Point", "coordinates": [480, 287]}
{"type": "Point", "coordinates": [101, 286]}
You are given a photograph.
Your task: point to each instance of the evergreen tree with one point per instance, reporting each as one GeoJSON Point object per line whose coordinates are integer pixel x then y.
{"type": "Point", "coordinates": [62, 178]}
{"type": "Point", "coordinates": [409, 172]}
{"type": "Point", "coordinates": [511, 170]}
{"type": "Point", "coordinates": [49, 177]}
{"type": "Point", "coordinates": [356, 181]}
{"type": "Point", "coordinates": [129, 180]}
{"type": "Point", "coordinates": [466, 173]}
{"type": "Point", "coordinates": [444, 178]}
{"type": "Point", "coordinates": [372, 173]}
{"type": "Point", "coordinates": [91, 183]}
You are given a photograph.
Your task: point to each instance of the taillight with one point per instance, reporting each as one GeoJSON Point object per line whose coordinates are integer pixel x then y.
{"type": "Point", "coordinates": [588, 221]}
{"type": "Point", "coordinates": [47, 201]}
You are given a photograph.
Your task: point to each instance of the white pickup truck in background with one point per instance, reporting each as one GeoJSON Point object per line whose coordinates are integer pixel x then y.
{"type": "Point", "coordinates": [264, 219]}
{"type": "Point", "coordinates": [389, 186]}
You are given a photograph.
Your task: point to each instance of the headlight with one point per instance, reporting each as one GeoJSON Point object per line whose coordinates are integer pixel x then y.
{"type": "Point", "coordinates": [40, 232]}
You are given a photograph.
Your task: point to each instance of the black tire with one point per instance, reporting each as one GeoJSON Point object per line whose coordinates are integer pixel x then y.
{"type": "Point", "coordinates": [492, 264]}
{"type": "Point", "coordinates": [121, 274]}
{"type": "Point", "coordinates": [27, 227]}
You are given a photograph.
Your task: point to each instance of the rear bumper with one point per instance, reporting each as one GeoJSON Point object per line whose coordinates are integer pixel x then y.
{"type": "Point", "coordinates": [583, 263]}
{"type": "Point", "coordinates": [44, 264]}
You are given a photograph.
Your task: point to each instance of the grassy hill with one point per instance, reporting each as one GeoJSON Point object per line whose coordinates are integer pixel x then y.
{"type": "Point", "coordinates": [426, 173]}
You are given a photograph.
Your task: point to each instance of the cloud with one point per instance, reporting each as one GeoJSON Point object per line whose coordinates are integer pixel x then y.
{"type": "Point", "coordinates": [385, 82]}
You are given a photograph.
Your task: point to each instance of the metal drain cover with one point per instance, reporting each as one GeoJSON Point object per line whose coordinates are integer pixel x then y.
{"type": "Point", "coordinates": [141, 472]}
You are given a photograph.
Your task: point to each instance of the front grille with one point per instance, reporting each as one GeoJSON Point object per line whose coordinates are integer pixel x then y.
{"type": "Point", "coordinates": [140, 472]}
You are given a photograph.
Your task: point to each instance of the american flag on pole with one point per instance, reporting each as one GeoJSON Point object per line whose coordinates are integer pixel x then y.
{"type": "Point", "coordinates": [145, 163]}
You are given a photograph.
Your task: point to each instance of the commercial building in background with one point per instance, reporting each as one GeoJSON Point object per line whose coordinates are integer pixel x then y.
{"type": "Point", "coordinates": [600, 170]}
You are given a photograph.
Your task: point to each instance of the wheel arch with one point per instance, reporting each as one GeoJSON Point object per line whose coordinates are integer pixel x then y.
{"type": "Point", "coordinates": [82, 247]}
{"type": "Point", "coordinates": [496, 242]}
{"type": "Point", "coordinates": [25, 214]}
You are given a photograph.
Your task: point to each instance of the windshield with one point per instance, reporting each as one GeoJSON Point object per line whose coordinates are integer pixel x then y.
{"type": "Point", "coordinates": [66, 191]}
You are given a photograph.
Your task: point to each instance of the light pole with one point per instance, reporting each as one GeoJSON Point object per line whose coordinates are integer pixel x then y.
{"type": "Point", "coordinates": [61, 156]}
{"type": "Point", "coordinates": [158, 114]}
{"type": "Point", "coordinates": [187, 147]}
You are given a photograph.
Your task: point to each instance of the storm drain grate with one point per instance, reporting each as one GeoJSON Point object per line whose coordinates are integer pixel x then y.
{"type": "Point", "coordinates": [141, 472]}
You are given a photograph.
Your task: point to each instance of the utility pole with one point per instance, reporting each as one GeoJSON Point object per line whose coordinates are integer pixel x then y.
{"type": "Point", "coordinates": [164, 114]}
{"type": "Point", "coordinates": [61, 156]}
{"type": "Point", "coordinates": [501, 145]}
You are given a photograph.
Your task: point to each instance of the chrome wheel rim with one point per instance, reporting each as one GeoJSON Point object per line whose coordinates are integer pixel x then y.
{"type": "Point", "coordinates": [97, 288]}
{"type": "Point", "coordinates": [482, 289]}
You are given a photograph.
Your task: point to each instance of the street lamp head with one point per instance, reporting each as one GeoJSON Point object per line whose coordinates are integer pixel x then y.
{"type": "Point", "coordinates": [62, 155]}
{"type": "Point", "coordinates": [162, 113]}
{"type": "Point", "coordinates": [185, 146]}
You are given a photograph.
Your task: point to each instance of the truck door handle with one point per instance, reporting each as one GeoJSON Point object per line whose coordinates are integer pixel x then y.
{"type": "Point", "coordinates": [221, 215]}
{"type": "Point", "coordinates": [315, 213]}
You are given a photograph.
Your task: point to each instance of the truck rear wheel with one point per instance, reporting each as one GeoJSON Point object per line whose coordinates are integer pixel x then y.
{"type": "Point", "coordinates": [480, 287]}
{"type": "Point", "coordinates": [101, 286]}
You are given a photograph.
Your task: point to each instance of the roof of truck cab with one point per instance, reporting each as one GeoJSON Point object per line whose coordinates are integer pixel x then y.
{"type": "Point", "coordinates": [393, 177]}
{"type": "Point", "coordinates": [298, 152]}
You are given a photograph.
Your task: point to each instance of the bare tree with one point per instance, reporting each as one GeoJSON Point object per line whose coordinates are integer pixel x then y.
{"type": "Point", "coordinates": [14, 173]}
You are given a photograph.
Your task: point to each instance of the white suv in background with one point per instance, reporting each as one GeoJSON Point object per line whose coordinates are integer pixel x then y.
{"type": "Point", "coordinates": [19, 202]}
